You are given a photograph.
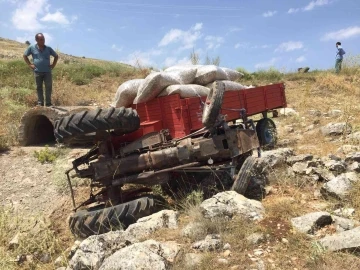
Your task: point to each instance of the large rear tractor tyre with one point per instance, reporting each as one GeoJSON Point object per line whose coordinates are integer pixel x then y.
{"type": "Point", "coordinates": [123, 120]}
{"type": "Point", "coordinates": [267, 133]}
{"type": "Point", "coordinates": [88, 222]}
{"type": "Point", "coordinates": [243, 177]}
{"type": "Point", "coordinates": [213, 104]}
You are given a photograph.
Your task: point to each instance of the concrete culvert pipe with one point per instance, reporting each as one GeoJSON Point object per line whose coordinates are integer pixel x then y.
{"type": "Point", "coordinates": [37, 124]}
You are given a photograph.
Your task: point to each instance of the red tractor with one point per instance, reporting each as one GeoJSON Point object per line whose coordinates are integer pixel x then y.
{"type": "Point", "coordinates": [169, 141]}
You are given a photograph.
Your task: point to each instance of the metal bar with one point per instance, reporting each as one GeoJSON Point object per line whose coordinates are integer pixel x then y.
{"type": "Point", "coordinates": [70, 186]}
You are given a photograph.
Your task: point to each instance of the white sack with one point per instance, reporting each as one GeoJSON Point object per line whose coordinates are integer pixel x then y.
{"type": "Point", "coordinates": [185, 75]}
{"type": "Point", "coordinates": [231, 74]}
{"type": "Point", "coordinates": [126, 93]}
{"type": "Point", "coordinates": [186, 91]}
{"type": "Point", "coordinates": [231, 86]}
{"type": "Point", "coordinates": [152, 86]}
{"type": "Point", "coordinates": [209, 73]}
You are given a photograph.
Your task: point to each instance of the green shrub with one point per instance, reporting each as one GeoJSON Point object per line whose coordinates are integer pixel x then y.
{"type": "Point", "coordinates": [271, 74]}
{"type": "Point", "coordinates": [47, 155]}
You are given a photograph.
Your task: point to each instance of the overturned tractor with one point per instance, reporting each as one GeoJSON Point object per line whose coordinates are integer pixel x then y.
{"type": "Point", "coordinates": [142, 151]}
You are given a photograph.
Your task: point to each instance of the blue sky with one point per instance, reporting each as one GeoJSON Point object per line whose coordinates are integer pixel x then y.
{"type": "Point", "coordinates": [252, 34]}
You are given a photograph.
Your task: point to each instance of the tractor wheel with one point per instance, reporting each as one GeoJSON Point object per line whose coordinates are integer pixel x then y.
{"type": "Point", "coordinates": [266, 132]}
{"type": "Point", "coordinates": [213, 104]}
{"type": "Point", "coordinates": [243, 177]}
{"type": "Point", "coordinates": [84, 223]}
{"type": "Point", "coordinates": [123, 120]}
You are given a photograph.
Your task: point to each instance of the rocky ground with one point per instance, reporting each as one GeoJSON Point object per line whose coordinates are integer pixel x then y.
{"type": "Point", "coordinates": [308, 219]}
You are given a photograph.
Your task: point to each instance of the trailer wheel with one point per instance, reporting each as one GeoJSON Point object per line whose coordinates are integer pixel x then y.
{"type": "Point", "coordinates": [243, 177]}
{"type": "Point", "coordinates": [84, 223]}
{"type": "Point", "coordinates": [123, 120]}
{"type": "Point", "coordinates": [266, 132]}
{"type": "Point", "coordinates": [213, 104]}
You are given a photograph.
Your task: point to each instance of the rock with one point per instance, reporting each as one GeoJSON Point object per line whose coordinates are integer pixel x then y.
{"type": "Point", "coordinates": [333, 157]}
{"type": "Point", "coordinates": [335, 166]}
{"type": "Point", "coordinates": [353, 157]}
{"type": "Point", "coordinates": [211, 242]}
{"type": "Point", "coordinates": [229, 204]}
{"type": "Point", "coordinates": [347, 148]}
{"type": "Point", "coordinates": [269, 190]}
{"type": "Point", "coordinates": [289, 129]}
{"type": "Point", "coordinates": [316, 113]}
{"type": "Point", "coordinates": [223, 261]}
{"type": "Point", "coordinates": [93, 250]}
{"type": "Point", "coordinates": [348, 240]}
{"type": "Point", "coordinates": [60, 261]}
{"type": "Point", "coordinates": [255, 238]}
{"type": "Point", "coordinates": [310, 222]}
{"type": "Point", "coordinates": [147, 225]}
{"type": "Point", "coordinates": [335, 113]}
{"type": "Point", "coordinates": [336, 129]}
{"type": "Point", "coordinates": [345, 212]}
{"type": "Point", "coordinates": [354, 137]}
{"type": "Point", "coordinates": [192, 260]}
{"type": "Point", "coordinates": [284, 240]}
{"type": "Point", "coordinates": [227, 246]}
{"type": "Point", "coordinates": [45, 258]}
{"type": "Point", "coordinates": [274, 158]}
{"type": "Point", "coordinates": [288, 112]}
{"type": "Point", "coordinates": [146, 255]}
{"type": "Point", "coordinates": [344, 224]}
{"type": "Point", "coordinates": [193, 229]}
{"type": "Point", "coordinates": [30, 258]}
{"type": "Point", "coordinates": [14, 243]}
{"type": "Point", "coordinates": [339, 186]}
{"type": "Point", "coordinates": [49, 170]}
{"type": "Point", "coordinates": [324, 175]}
{"type": "Point", "coordinates": [260, 265]}
{"type": "Point", "coordinates": [300, 167]}
{"type": "Point", "coordinates": [299, 158]}
{"type": "Point", "coordinates": [258, 252]}
{"type": "Point", "coordinates": [227, 253]}
{"type": "Point", "coordinates": [354, 167]}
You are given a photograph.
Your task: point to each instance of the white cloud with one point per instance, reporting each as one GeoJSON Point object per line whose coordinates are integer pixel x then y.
{"type": "Point", "coordinates": [186, 38]}
{"type": "Point", "coordinates": [293, 10]}
{"type": "Point", "coordinates": [342, 33]}
{"type": "Point", "coordinates": [25, 16]}
{"type": "Point", "coordinates": [213, 42]}
{"type": "Point", "coordinates": [300, 59]}
{"type": "Point", "coordinates": [269, 13]}
{"type": "Point", "coordinates": [242, 45]}
{"type": "Point", "coordinates": [289, 46]}
{"type": "Point", "coordinates": [310, 6]}
{"type": "Point", "coordinates": [267, 64]}
{"type": "Point", "coordinates": [142, 58]}
{"type": "Point", "coordinates": [116, 48]}
{"type": "Point", "coordinates": [171, 61]}
{"type": "Point", "coordinates": [57, 17]}
{"type": "Point", "coordinates": [317, 3]}
{"type": "Point", "coordinates": [31, 38]}
{"type": "Point", "coordinates": [233, 30]}
{"type": "Point", "coordinates": [246, 45]}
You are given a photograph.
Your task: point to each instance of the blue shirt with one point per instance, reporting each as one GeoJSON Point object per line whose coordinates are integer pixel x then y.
{"type": "Point", "coordinates": [41, 59]}
{"type": "Point", "coordinates": [340, 53]}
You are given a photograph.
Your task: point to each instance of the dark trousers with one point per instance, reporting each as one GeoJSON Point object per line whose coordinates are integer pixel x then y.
{"type": "Point", "coordinates": [40, 79]}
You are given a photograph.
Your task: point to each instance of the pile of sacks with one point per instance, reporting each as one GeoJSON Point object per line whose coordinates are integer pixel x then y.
{"type": "Point", "coordinates": [188, 81]}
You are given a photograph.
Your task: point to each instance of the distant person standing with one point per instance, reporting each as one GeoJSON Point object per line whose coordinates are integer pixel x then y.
{"type": "Point", "coordinates": [42, 68]}
{"type": "Point", "coordinates": [339, 57]}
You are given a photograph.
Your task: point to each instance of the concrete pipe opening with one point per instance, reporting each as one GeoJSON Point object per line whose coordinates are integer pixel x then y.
{"type": "Point", "coordinates": [39, 130]}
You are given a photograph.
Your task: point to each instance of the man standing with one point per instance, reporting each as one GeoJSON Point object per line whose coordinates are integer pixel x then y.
{"type": "Point", "coordinates": [41, 67]}
{"type": "Point", "coordinates": [339, 57]}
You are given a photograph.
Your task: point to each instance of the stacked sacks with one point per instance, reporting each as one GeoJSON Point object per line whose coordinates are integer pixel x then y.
{"type": "Point", "coordinates": [188, 81]}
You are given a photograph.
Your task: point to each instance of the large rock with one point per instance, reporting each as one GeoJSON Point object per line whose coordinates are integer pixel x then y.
{"type": "Point", "coordinates": [354, 137]}
{"type": "Point", "coordinates": [192, 260]}
{"type": "Point", "coordinates": [347, 148]}
{"type": "Point", "coordinates": [211, 242]}
{"type": "Point", "coordinates": [229, 204]}
{"type": "Point", "coordinates": [336, 129]}
{"type": "Point", "coordinates": [324, 175]}
{"type": "Point", "coordinates": [340, 186]}
{"type": "Point", "coordinates": [299, 158]}
{"type": "Point", "coordinates": [344, 224]}
{"type": "Point", "coordinates": [93, 250]}
{"type": "Point", "coordinates": [193, 229]}
{"type": "Point", "coordinates": [147, 225]}
{"type": "Point", "coordinates": [310, 222]}
{"type": "Point", "coordinates": [348, 240]}
{"type": "Point", "coordinates": [288, 112]}
{"type": "Point", "coordinates": [353, 157]}
{"type": "Point", "coordinates": [146, 255]}
{"type": "Point", "coordinates": [276, 157]}
{"type": "Point", "coordinates": [335, 166]}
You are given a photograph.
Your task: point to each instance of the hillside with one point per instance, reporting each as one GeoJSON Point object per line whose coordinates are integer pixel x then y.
{"type": "Point", "coordinates": [309, 171]}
